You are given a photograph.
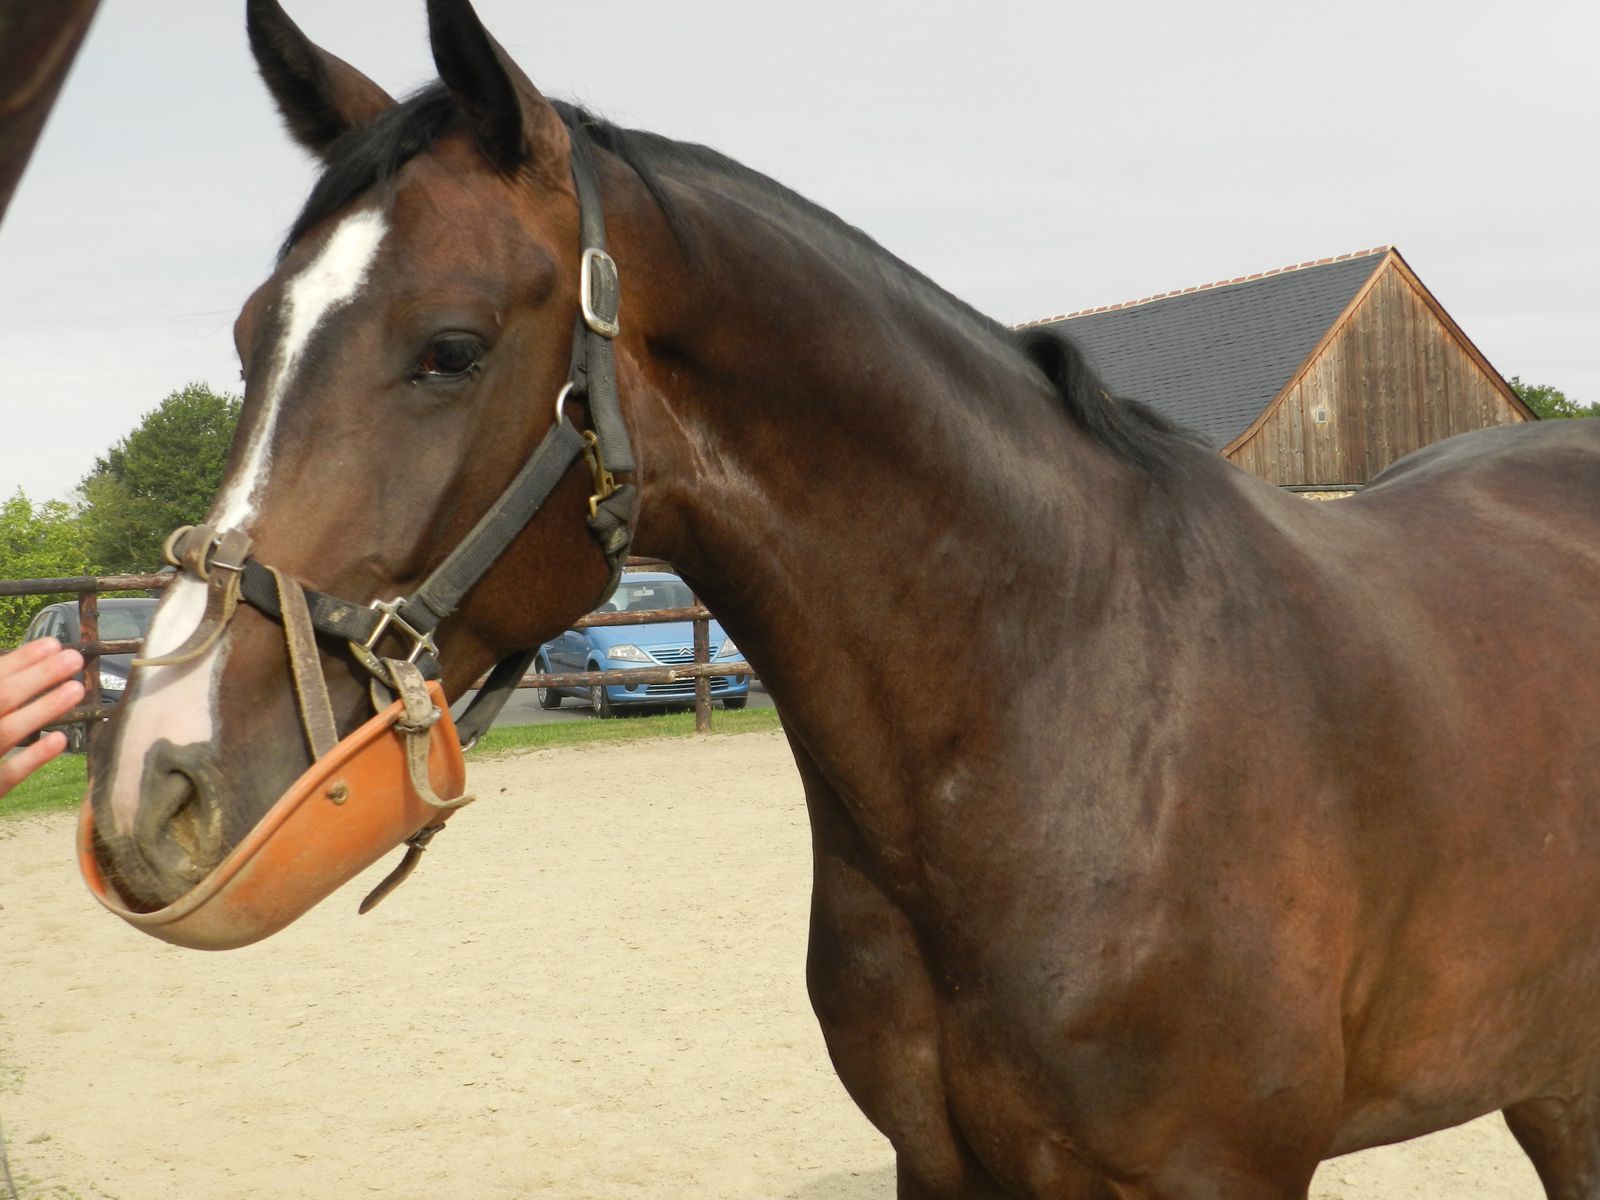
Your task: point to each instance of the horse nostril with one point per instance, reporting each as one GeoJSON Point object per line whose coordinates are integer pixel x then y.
{"type": "Point", "coordinates": [178, 829]}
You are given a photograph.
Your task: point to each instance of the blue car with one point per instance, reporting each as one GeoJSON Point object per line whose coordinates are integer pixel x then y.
{"type": "Point", "coordinates": [633, 647]}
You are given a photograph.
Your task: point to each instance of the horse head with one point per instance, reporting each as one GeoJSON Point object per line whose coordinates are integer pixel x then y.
{"type": "Point", "coordinates": [438, 327]}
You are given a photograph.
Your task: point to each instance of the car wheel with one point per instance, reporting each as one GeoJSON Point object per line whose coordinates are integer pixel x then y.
{"type": "Point", "coordinates": [600, 702]}
{"type": "Point", "coordinates": [735, 702]}
{"type": "Point", "coordinates": [548, 697]}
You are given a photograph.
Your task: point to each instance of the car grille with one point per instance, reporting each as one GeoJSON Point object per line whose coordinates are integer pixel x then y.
{"type": "Point", "coordinates": [672, 655]}
{"type": "Point", "coordinates": [683, 689]}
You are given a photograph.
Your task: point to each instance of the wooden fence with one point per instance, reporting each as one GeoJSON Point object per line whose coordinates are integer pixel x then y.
{"type": "Point", "coordinates": [89, 588]}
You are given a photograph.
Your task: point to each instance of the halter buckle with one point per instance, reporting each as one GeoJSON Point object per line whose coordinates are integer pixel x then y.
{"type": "Point", "coordinates": [390, 618]}
{"type": "Point", "coordinates": [599, 292]}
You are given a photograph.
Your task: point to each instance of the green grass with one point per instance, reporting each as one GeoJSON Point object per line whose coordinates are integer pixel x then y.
{"type": "Point", "coordinates": [57, 785]}
{"type": "Point", "coordinates": [510, 738]}
{"type": "Point", "coordinates": [60, 783]}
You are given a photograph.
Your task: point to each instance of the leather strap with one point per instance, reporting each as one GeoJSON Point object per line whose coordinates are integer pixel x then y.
{"type": "Point", "coordinates": [492, 696]}
{"type": "Point", "coordinates": [416, 723]}
{"type": "Point", "coordinates": [416, 726]}
{"type": "Point", "coordinates": [305, 664]}
{"type": "Point", "coordinates": [337, 618]}
{"type": "Point", "coordinates": [415, 845]}
{"type": "Point", "coordinates": [221, 574]}
{"type": "Point", "coordinates": [594, 371]}
{"type": "Point", "coordinates": [439, 594]}
{"type": "Point", "coordinates": [612, 526]}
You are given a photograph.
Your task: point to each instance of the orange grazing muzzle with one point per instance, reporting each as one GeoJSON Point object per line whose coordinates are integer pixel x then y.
{"type": "Point", "coordinates": [353, 806]}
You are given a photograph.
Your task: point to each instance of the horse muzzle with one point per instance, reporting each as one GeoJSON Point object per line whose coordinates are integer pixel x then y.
{"type": "Point", "coordinates": [373, 791]}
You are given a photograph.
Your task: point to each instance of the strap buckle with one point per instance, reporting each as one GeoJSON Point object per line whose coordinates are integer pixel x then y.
{"type": "Point", "coordinates": [390, 618]}
{"type": "Point", "coordinates": [212, 547]}
{"type": "Point", "coordinates": [233, 548]}
{"type": "Point", "coordinates": [599, 292]}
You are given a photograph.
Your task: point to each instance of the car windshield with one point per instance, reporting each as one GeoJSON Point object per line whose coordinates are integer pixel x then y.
{"type": "Point", "coordinates": [642, 597]}
{"type": "Point", "coordinates": [125, 624]}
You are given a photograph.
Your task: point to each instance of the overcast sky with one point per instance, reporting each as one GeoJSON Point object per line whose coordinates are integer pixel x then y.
{"type": "Point", "coordinates": [1034, 158]}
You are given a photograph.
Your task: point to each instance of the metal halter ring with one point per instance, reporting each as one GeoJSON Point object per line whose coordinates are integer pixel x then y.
{"type": "Point", "coordinates": [561, 400]}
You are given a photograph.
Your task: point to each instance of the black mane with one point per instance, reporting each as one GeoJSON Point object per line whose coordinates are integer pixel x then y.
{"type": "Point", "coordinates": [374, 154]}
{"type": "Point", "coordinates": [1130, 429]}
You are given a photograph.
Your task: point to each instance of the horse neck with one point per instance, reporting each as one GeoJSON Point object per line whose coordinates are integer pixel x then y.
{"type": "Point", "coordinates": [856, 472]}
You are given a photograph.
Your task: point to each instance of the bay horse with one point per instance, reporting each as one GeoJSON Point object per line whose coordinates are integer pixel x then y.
{"type": "Point", "coordinates": [1171, 833]}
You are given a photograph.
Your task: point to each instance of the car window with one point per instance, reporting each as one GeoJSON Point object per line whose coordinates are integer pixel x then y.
{"type": "Point", "coordinates": [125, 624]}
{"type": "Point", "coordinates": [642, 597]}
{"type": "Point", "coordinates": [40, 627]}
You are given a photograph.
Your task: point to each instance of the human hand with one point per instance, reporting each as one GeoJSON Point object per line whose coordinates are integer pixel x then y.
{"type": "Point", "coordinates": [35, 668]}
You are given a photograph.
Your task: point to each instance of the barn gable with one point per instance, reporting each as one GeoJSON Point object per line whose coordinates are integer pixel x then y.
{"type": "Point", "coordinates": [1315, 376]}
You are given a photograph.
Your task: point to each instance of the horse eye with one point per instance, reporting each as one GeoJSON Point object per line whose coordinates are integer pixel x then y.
{"type": "Point", "coordinates": [453, 356]}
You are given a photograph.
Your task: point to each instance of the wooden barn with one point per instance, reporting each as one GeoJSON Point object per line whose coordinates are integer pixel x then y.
{"type": "Point", "coordinates": [1314, 377]}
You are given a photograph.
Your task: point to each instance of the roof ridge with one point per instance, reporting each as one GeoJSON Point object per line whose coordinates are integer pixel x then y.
{"type": "Point", "coordinates": [1206, 287]}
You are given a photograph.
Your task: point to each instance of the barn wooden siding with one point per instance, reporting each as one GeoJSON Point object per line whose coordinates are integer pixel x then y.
{"type": "Point", "coordinates": [1393, 374]}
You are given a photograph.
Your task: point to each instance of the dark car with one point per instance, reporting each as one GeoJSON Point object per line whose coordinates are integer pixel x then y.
{"type": "Point", "coordinates": [631, 647]}
{"type": "Point", "coordinates": [121, 619]}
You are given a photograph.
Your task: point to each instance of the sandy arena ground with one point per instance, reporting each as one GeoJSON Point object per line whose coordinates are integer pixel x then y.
{"type": "Point", "coordinates": [592, 988]}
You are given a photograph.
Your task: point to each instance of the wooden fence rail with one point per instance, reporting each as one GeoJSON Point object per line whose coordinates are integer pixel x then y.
{"type": "Point", "coordinates": [88, 589]}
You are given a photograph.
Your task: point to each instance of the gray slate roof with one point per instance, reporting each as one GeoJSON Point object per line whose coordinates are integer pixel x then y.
{"type": "Point", "coordinates": [1212, 358]}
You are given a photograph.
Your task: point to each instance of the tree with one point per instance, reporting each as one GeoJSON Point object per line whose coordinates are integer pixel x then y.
{"type": "Point", "coordinates": [162, 475]}
{"type": "Point", "coordinates": [37, 542]}
{"type": "Point", "coordinates": [1550, 403]}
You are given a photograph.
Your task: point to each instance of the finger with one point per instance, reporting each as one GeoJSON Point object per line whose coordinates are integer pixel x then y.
{"type": "Point", "coordinates": [23, 763]}
{"type": "Point", "coordinates": [29, 653]}
{"type": "Point", "coordinates": [39, 713]}
{"type": "Point", "coordinates": [35, 677]}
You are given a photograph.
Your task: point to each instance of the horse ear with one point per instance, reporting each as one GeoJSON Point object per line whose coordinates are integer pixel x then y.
{"type": "Point", "coordinates": [319, 95]}
{"type": "Point", "coordinates": [514, 125]}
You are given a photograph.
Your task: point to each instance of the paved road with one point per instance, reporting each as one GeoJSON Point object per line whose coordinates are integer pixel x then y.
{"type": "Point", "coordinates": [523, 708]}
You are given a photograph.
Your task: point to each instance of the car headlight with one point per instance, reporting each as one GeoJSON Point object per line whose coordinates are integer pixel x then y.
{"type": "Point", "coordinates": [628, 653]}
{"type": "Point", "coordinates": [112, 683]}
{"type": "Point", "coordinates": [729, 650]}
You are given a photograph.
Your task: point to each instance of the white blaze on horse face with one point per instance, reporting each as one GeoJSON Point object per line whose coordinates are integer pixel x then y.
{"type": "Point", "coordinates": [330, 282]}
{"type": "Point", "coordinates": [177, 703]}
